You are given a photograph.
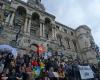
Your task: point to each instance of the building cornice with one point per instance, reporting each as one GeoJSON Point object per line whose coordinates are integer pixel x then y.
{"type": "Point", "coordinates": [64, 26]}
{"type": "Point", "coordinates": [42, 11]}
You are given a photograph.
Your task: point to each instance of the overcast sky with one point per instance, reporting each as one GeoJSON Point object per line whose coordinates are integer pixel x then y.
{"type": "Point", "coordinates": [76, 12]}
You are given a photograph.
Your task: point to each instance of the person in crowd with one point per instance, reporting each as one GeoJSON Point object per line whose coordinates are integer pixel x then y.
{"type": "Point", "coordinates": [61, 73]}
{"type": "Point", "coordinates": [51, 75]}
{"type": "Point", "coordinates": [19, 75]}
{"type": "Point", "coordinates": [26, 59]}
{"type": "Point", "coordinates": [76, 70]}
{"type": "Point", "coordinates": [12, 75]}
{"type": "Point", "coordinates": [4, 76]}
{"type": "Point", "coordinates": [70, 71]}
{"type": "Point", "coordinates": [25, 75]}
{"type": "Point", "coordinates": [29, 70]}
{"type": "Point", "coordinates": [12, 65]}
{"type": "Point", "coordinates": [24, 67]}
{"type": "Point", "coordinates": [1, 66]}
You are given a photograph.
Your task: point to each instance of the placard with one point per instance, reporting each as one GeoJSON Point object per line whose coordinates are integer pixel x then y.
{"type": "Point", "coordinates": [86, 72]}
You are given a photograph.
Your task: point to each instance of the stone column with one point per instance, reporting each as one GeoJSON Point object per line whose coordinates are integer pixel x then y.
{"type": "Point", "coordinates": [40, 29]}
{"type": "Point", "coordinates": [52, 33]}
{"type": "Point", "coordinates": [55, 34]}
{"type": "Point", "coordinates": [43, 33]}
{"type": "Point", "coordinates": [29, 26]}
{"type": "Point", "coordinates": [25, 25]}
{"type": "Point", "coordinates": [12, 18]}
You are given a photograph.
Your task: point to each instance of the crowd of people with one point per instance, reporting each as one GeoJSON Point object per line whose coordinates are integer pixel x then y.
{"type": "Point", "coordinates": [31, 67]}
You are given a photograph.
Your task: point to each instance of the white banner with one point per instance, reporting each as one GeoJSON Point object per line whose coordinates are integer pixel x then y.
{"type": "Point", "coordinates": [86, 72]}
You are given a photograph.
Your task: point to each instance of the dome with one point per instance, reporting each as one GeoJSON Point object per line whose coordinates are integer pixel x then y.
{"type": "Point", "coordinates": [84, 27]}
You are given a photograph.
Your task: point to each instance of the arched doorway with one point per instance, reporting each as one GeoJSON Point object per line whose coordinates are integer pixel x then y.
{"type": "Point", "coordinates": [20, 16]}
{"type": "Point", "coordinates": [48, 28]}
{"type": "Point", "coordinates": [35, 25]}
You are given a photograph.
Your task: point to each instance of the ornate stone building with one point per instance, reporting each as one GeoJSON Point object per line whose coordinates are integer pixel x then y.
{"type": "Point", "coordinates": [23, 24]}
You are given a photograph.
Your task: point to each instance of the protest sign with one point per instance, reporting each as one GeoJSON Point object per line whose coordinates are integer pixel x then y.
{"type": "Point", "coordinates": [86, 72]}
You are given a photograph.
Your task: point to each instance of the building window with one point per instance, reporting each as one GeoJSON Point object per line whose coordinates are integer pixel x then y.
{"type": "Point", "coordinates": [59, 38]}
{"type": "Point", "coordinates": [57, 27]}
{"type": "Point", "coordinates": [48, 28]}
{"type": "Point", "coordinates": [80, 37]}
{"type": "Point", "coordinates": [67, 42]}
{"type": "Point", "coordinates": [33, 32]}
{"type": "Point", "coordinates": [72, 33]}
{"type": "Point", "coordinates": [87, 32]}
{"type": "Point", "coordinates": [47, 36]}
{"type": "Point", "coordinates": [65, 31]}
{"type": "Point", "coordinates": [75, 45]}
{"type": "Point", "coordinates": [35, 24]}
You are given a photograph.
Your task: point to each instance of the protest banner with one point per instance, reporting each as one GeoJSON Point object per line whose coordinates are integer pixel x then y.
{"type": "Point", "coordinates": [86, 72]}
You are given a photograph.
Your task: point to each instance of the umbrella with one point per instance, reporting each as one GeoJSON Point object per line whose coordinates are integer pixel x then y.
{"type": "Point", "coordinates": [8, 48]}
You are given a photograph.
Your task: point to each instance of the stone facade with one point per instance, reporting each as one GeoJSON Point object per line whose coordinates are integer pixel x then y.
{"type": "Point", "coordinates": [23, 24]}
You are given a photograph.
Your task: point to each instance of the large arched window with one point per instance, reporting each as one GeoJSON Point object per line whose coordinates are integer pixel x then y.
{"type": "Point", "coordinates": [75, 45]}
{"type": "Point", "coordinates": [20, 16]}
{"type": "Point", "coordinates": [59, 38]}
{"type": "Point", "coordinates": [35, 25]}
{"type": "Point", "coordinates": [48, 28]}
{"type": "Point", "coordinates": [67, 42]}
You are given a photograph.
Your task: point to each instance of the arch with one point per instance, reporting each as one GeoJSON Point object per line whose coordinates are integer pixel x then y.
{"type": "Point", "coordinates": [59, 38]}
{"type": "Point", "coordinates": [35, 16]}
{"type": "Point", "coordinates": [20, 16]}
{"type": "Point", "coordinates": [35, 24]}
{"type": "Point", "coordinates": [67, 42]}
{"type": "Point", "coordinates": [47, 20]}
{"type": "Point", "coordinates": [21, 11]}
{"type": "Point", "coordinates": [48, 28]}
{"type": "Point", "coordinates": [75, 45]}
